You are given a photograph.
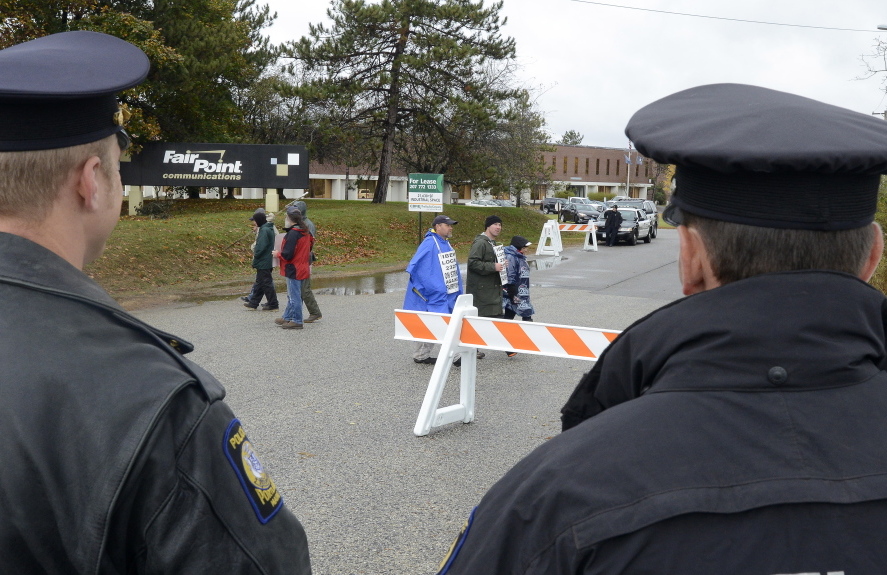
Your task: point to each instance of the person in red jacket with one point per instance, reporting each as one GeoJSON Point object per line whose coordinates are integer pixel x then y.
{"type": "Point", "coordinates": [294, 254]}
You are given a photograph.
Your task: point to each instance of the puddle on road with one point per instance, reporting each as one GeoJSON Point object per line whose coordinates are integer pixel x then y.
{"type": "Point", "coordinates": [393, 281]}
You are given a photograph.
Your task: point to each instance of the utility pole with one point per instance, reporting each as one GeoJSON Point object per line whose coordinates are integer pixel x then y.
{"type": "Point", "coordinates": [628, 171]}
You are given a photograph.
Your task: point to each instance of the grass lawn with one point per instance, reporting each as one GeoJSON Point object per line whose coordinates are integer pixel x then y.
{"type": "Point", "coordinates": [208, 241]}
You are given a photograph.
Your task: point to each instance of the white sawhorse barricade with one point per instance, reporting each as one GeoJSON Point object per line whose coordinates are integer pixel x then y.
{"type": "Point", "coordinates": [464, 332]}
{"type": "Point", "coordinates": [552, 231]}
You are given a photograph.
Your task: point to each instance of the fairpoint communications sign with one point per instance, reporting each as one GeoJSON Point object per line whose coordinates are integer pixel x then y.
{"type": "Point", "coordinates": [209, 165]}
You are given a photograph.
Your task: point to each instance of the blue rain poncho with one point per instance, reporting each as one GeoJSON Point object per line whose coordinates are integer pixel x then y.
{"type": "Point", "coordinates": [427, 289]}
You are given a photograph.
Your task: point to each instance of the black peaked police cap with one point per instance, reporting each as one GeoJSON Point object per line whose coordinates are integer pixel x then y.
{"type": "Point", "coordinates": [761, 157]}
{"type": "Point", "coordinates": [59, 90]}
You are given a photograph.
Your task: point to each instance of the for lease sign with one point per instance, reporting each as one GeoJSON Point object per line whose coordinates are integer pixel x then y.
{"type": "Point", "coordinates": [425, 192]}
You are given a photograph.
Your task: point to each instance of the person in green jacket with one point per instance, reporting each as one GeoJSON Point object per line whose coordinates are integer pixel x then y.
{"type": "Point", "coordinates": [484, 266]}
{"type": "Point", "coordinates": [262, 263]}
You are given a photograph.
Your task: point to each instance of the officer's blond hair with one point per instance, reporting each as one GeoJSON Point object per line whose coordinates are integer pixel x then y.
{"type": "Point", "coordinates": [738, 251]}
{"type": "Point", "coordinates": [30, 181]}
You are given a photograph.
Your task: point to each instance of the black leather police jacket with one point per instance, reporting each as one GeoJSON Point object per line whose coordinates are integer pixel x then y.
{"type": "Point", "coordinates": [757, 407]}
{"type": "Point", "coordinates": [114, 446]}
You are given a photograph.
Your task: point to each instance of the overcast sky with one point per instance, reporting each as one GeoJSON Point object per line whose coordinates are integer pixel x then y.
{"type": "Point", "coordinates": [593, 66]}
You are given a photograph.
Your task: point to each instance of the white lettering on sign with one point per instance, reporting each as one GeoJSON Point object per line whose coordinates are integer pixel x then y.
{"type": "Point", "coordinates": [201, 165]}
{"type": "Point", "coordinates": [450, 269]}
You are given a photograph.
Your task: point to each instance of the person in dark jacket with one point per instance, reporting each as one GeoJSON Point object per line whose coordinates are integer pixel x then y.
{"type": "Point", "coordinates": [263, 263]}
{"type": "Point", "coordinates": [120, 455]}
{"type": "Point", "coordinates": [612, 221]}
{"type": "Point", "coordinates": [516, 293]}
{"type": "Point", "coordinates": [516, 298]}
{"type": "Point", "coordinates": [740, 429]}
{"type": "Point", "coordinates": [486, 262]}
{"type": "Point", "coordinates": [295, 260]}
{"type": "Point", "coordinates": [485, 266]}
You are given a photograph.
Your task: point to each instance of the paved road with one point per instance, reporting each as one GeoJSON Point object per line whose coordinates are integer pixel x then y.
{"type": "Point", "coordinates": [644, 271]}
{"type": "Point", "coordinates": [331, 408]}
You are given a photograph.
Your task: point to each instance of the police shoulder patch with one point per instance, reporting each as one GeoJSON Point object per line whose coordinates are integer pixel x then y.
{"type": "Point", "coordinates": [456, 546]}
{"type": "Point", "coordinates": [259, 487]}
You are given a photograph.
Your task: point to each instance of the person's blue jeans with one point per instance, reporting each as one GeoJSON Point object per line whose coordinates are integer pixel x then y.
{"type": "Point", "coordinates": [293, 311]}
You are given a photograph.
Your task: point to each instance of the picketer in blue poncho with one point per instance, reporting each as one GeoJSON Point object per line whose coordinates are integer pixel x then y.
{"type": "Point", "coordinates": [435, 281]}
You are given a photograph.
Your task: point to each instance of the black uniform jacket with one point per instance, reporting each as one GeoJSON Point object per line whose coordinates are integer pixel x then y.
{"type": "Point", "coordinates": [119, 455]}
{"type": "Point", "coordinates": [740, 430]}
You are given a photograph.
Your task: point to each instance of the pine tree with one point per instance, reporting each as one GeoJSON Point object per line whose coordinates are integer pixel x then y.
{"type": "Point", "coordinates": [404, 70]}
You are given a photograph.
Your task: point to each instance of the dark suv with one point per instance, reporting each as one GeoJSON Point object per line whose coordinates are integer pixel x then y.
{"type": "Point", "coordinates": [646, 206]}
{"type": "Point", "coordinates": [551, 205]}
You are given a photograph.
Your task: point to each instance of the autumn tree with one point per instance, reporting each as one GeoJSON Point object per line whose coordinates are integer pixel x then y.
{"type": "Point", "coordinates": [404, 70]}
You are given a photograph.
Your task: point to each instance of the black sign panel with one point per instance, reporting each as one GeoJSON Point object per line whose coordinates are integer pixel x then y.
{"type": "Point", "coordinates": [227, 165]}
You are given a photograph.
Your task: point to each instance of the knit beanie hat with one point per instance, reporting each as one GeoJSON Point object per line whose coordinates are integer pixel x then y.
{"type": "Point", "coordinates": [492, 220]}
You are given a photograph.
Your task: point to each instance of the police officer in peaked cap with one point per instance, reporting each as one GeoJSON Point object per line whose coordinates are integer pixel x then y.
{"type": "Point", "coordinates": [119, 455]}
{"type": "Point", "coordinates": [740, 429]}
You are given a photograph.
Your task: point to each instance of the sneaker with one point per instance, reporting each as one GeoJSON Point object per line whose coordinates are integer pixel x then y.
{"type": "Point", "coordinates": [244, 298]}
{"type": "Point", "coordinates": [280, 321]}
{"type": "Point", "coordinates": [250, 306]}
{"type": "Point", "coordinates": [481, 355]}
{"type": "Point", "coordinates": [291, 325]}
{"type": "Point", "coordinates": [511, 353]}
{"type": "Point", "coordinates": [266, 307]}
{"type": "Point", "coordinates": [430, 360]}
{"type": "Point", "coordinates": [313, 318]}
{"type": "Point", "coordinates": [458, 362]}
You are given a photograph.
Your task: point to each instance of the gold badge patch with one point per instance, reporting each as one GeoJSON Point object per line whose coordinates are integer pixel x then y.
{"type": "Point", "coordinates": [258, 485]}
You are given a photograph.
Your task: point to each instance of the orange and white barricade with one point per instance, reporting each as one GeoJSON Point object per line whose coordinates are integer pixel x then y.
{"type": "Point", "coordinates": [552, 230]}
{"type": "Point", "coordinates": [464, 333]}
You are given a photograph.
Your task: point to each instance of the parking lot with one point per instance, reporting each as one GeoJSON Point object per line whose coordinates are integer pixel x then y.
{"type": "Point", "coordinates": [331, 408]}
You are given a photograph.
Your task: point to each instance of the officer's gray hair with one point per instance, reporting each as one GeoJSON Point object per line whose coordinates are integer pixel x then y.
{"type": "Point", "coordinates": [30, 181]}
{"type": "Point", "coordinates": [738, 251]}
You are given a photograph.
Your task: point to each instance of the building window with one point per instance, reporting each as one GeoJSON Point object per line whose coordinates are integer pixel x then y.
{"type": "Point", "coordinates": [608, 166]}
{"type": "Point", "coordinates": [617, 167]}
{"type": "Point", "coordinates": [637, 170]}
{"type": "Point", "coordinates": [553, 163]}
{"type": "Point", "coordinates": [597, 167]}
{"type": "Point", "coordinates": [565, 164]}
{"type": "Point", "coordinates": [586, 166]}
{"type": "Point", "coordinates": [575, 165]}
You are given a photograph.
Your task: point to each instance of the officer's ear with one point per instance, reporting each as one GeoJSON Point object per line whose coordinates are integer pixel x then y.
{"type": "Point", "coordinates": [88, 185]}
{"type": "Point", "coordinates": [868, 270]}
{"type": "Point", "coordinates": [694, 266]}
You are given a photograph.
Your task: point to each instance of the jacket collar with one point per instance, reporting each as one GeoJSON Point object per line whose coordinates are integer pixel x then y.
{"type": "Point", "coordinates": [24, 262]}
{"type": "Point", "coordinates": [823, 329]}
{"type": "Point", "coordinates": [30, 265]}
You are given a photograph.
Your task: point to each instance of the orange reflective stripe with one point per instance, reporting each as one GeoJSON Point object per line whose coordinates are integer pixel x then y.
{"type": "Point", "coordinates": [470, 335]}
{"type": "Point", "coordinates": [571, 341]}
{"type": "Point", "coordinates": [414, 324]}
{"type": "Point", "coordinates": [516, 336]}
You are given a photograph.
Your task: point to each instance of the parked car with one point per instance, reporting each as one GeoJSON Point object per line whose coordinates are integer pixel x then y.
{"type": "Point", "coordinates": [482, 204]}
{"type": "Point", "coordinates": [582, 214]}
{"type": "Point", "coordinates": [635, 225]}
{"type": "Point", "coordinates": [551, 205]}
{"type": "Point", "coordinates": [578, 210]}
{"type": "Point", "coordinates": [647, 206]}
{"type": "Point", "coordinates": [503, 203]}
